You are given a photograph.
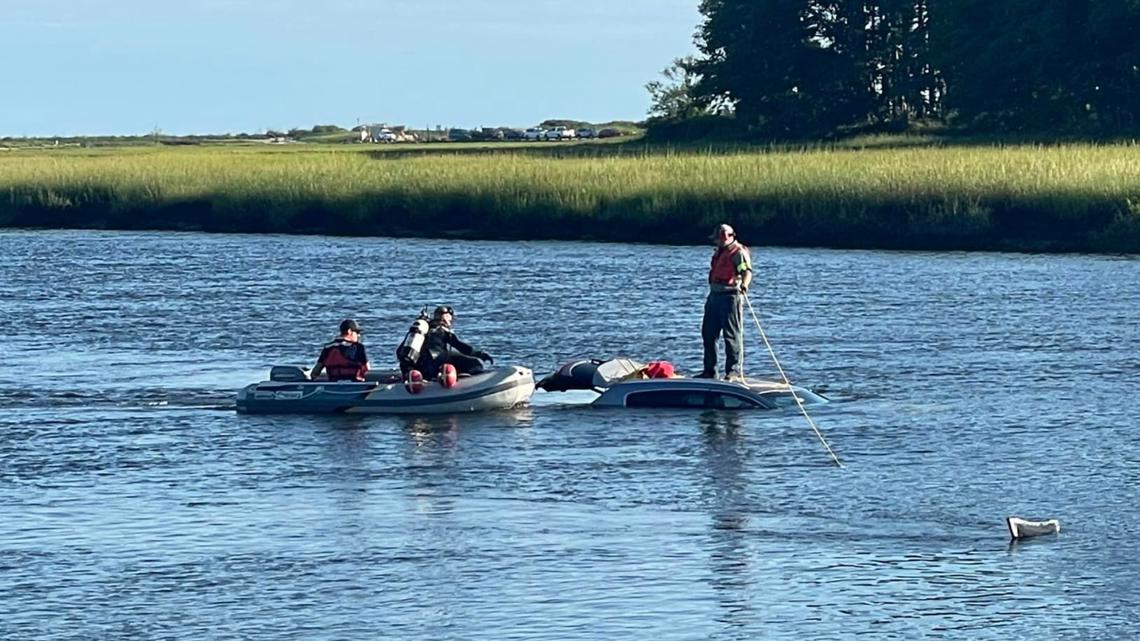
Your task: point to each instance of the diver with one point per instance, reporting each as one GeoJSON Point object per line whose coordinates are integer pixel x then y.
{"type": "Point", "coordinates": [443, 346]}
{"type": "Point", "coordinates": [344, 359]}
{"type": "Point", "coordinates": [410, 350]}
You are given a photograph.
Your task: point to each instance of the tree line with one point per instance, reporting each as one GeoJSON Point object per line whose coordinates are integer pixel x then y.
{"type": "Point", "coordinates": [804, 68]}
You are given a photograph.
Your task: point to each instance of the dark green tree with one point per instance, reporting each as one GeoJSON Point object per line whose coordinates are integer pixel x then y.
{"type": "Point", "coordinates": [807, 67]}
{"type": "Point", "coordinates": [673, 97]}
{"type": "Point", "coordinates": [1116, 92]}
{"type": "Point", "coordinates": [1052, 66]}
{"type": "Point", "coordinates": [763, 57]}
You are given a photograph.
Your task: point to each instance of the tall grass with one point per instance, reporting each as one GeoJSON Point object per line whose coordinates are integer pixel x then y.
{"type": "Point", "coordinates": [1068, 198]}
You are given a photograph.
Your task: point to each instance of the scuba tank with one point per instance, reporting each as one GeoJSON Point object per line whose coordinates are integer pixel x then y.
{"type": "Point", "coordinates": [408, 353]}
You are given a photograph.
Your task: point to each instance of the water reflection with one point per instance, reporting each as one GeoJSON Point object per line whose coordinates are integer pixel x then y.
{"type": "Point", "coordinates": [432, 431]}
{"type": "Point", "coordinates": [1023, 545]}
{"type": "Point", "coordinates": [347, 445]}
{"type": "Point", "coordinates": [430, 453]}
{"type": "Point", "coordinates": [725, 460]}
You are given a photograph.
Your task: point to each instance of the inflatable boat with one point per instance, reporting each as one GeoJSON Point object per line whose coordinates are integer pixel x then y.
{"type": "Point", "coordinates": [623, 382]}
{"type": "Point", "coordinates": [289, 390]}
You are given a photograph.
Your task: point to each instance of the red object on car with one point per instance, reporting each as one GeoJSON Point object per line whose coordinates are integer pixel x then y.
{"type": "Point", "coordinates": [659, 369]}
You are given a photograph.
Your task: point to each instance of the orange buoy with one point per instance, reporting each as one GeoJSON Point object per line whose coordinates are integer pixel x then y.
{"type": "Point", "coordinates": [448, 376]}
{"type": "Point", "coordinates": [415, 382]}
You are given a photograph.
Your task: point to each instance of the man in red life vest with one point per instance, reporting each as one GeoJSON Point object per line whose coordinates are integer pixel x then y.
{"type": "Point", "coordinates": [344, 358]}
{"type": "Point", "coordinates": [730, 274]}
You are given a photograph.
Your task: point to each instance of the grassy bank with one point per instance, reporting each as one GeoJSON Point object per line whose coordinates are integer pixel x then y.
{"type": "Point", "coordinates": [1060, 198]}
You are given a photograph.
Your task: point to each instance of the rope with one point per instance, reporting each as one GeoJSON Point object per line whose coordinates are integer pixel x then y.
{"type": "Point", "coordinates": [799, 401]}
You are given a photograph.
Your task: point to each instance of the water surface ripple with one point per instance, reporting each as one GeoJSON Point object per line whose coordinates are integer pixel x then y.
{"type": "Point", "coordinates": [134, 503]}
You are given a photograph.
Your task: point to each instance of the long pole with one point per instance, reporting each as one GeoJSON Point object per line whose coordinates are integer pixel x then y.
{"type": "Point", "coordinates": [799, 401]}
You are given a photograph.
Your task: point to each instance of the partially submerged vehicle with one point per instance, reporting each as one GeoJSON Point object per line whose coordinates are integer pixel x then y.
{"type": "Point", "coordinates": [289, 390]}
{"type": "Point", "coordinates": [623, 382]}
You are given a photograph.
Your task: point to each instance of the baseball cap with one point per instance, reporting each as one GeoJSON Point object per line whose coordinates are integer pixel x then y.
{"type": "Point", "coordinates": [350, 324]}
{"type": "Point", "coordinates": [722, 231]}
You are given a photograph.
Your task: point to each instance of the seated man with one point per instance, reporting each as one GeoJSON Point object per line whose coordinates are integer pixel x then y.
{"type": "Point", "coordinates": [443, 346]}
{"type": "Point", "coordinates": [344, 358]}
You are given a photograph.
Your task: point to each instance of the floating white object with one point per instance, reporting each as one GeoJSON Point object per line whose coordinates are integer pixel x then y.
{"type": "Point", "coordinates": [1021, 529]}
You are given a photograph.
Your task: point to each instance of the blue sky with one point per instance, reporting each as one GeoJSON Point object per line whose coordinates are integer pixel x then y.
{"type": "Point", "coordinates": [89, 67]}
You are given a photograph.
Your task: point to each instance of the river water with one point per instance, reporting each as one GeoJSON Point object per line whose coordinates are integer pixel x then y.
{"type": "Point", "coordinates": [134, 502]}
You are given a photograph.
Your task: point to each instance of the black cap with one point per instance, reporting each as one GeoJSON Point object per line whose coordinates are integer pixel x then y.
{"type": "Point", "coordinates": [444, 309]}
{"type": "Point", "coordinates": [349, 324]}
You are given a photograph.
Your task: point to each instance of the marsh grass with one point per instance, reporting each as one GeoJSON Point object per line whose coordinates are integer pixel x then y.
{"type": "Point", "coordinates": [1076, 197]}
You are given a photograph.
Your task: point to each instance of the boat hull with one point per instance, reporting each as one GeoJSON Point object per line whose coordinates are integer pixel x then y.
{"type": "Point", "coordinates": [496, 389]}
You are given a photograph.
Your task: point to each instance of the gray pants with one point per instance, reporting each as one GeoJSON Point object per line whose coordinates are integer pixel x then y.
{"type": "Point", "coordinates": [724, 313]}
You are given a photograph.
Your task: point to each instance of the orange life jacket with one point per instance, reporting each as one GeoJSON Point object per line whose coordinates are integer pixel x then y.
{"type": "Point", "coordinates": [339, 366]}
{"type": "Point", "coordinates": [722, 270]}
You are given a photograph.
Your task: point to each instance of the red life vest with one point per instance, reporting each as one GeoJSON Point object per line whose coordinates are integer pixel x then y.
{"type": "Point", "coordinates": [722, 270]}
{"type": "Point", "coordinates": [339, 366]}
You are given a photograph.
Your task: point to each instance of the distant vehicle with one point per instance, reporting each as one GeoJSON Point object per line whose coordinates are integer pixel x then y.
{"type": "Point", "coordinates": [534, 133]}
{"type": "Point", "coordinates": [513, 134]}
{"type": "Point", "coordinates": [560, 133]}
{"type": "Point", "coordinates": [458, 135]}
{"type": "Point", "coordinates": [385, 135]}
{"type": "Point", "coordinates": [587, 132]}
{"type": "Point", "coordinates": [609, 132]}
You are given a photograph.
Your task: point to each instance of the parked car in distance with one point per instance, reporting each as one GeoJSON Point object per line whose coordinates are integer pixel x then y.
{"type": "Point", "coordinates": [385, 135]}
{"type": "Point", "coordinates": [513, 134]}
{"type": "Point", "coordinates": [458, 135]}
{"type": "Point", "coordinates": [534, 133]}
{"type": "Point", "coordinates": [587, 132]}
{"type": "Point", "coordinates": [489, 133]}
{"type": "Point", "coordinates": [560, 133]}
{"type": "Point", "coordinates": [609, 132]}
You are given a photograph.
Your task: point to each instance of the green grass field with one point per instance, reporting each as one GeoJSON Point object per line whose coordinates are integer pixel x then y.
{"type": "Point", "coordinates": [903, 193]}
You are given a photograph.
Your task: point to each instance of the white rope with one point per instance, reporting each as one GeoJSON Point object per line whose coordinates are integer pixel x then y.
{"type": "Point", "coordinates": [799, 401]}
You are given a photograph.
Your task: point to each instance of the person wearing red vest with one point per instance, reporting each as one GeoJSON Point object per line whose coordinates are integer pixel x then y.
{"type": "Point", "coordinates": [730, 274]}
{"type": "Point", "coordinates": [344, 359]}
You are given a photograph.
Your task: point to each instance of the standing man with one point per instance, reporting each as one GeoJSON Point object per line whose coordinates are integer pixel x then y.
{"type": "Point", "coordinates": [344, 358]}
{"type": "Point", "coordinates": [730, 274]}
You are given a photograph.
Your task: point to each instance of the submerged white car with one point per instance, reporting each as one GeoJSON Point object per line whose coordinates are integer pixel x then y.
{"type": "Point", "coordinates": [621, 383]}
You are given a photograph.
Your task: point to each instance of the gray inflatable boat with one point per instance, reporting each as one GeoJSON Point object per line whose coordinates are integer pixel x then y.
{"type": "Point", "coordinates": [290, 391]}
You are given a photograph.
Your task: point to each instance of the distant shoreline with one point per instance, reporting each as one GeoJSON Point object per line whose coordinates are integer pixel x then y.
{"type": "Point", "coordinates": [1067, 198]}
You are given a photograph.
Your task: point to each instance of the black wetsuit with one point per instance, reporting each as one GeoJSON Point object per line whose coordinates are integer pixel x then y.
{"type": "Point", "coordinates": [443, 346]}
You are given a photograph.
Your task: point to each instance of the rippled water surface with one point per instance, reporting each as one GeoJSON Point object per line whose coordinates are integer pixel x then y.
{"type": "Point", "coordinates": [134, 503]}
